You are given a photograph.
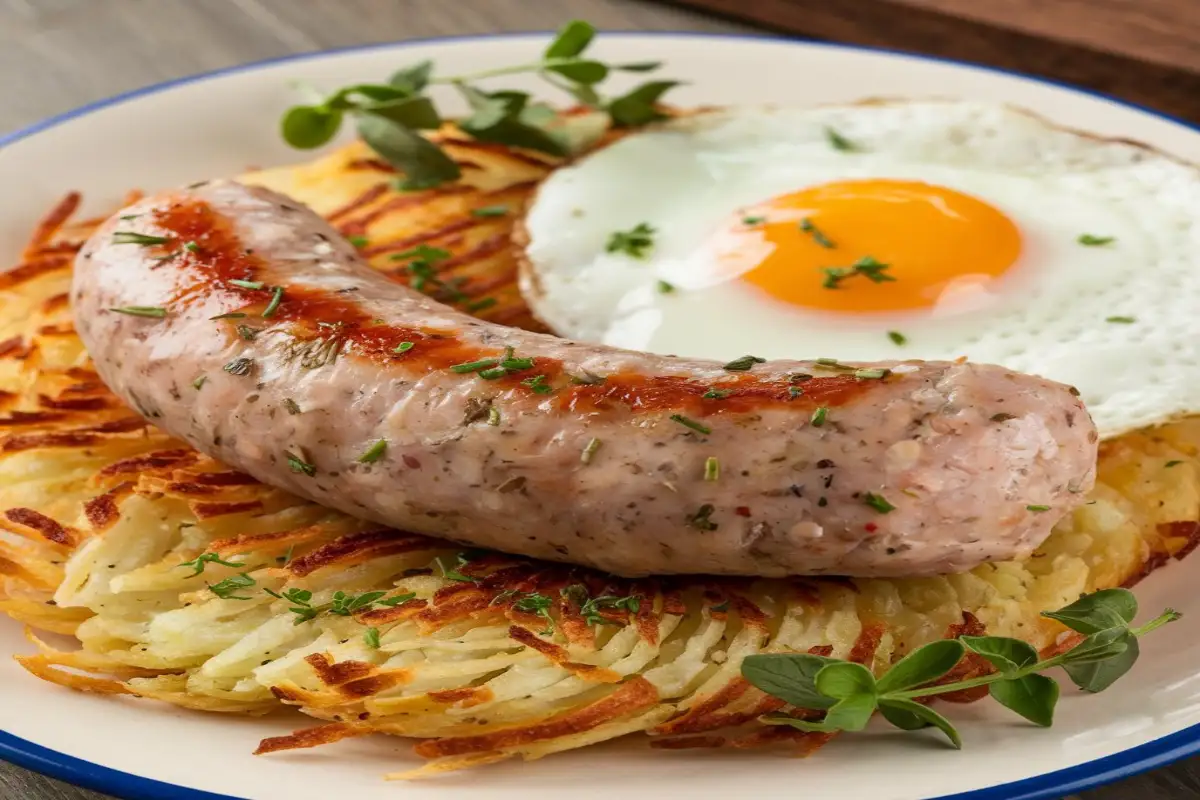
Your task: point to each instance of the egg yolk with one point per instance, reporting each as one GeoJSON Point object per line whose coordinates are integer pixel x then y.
{"type": "Point", "coordinates": [870, 245]}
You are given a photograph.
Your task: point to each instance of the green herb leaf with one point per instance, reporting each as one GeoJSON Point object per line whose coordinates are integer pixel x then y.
{"type": "Point", "coordinates": [131, 237]}
{"type": "Point", "coordinates": [404, 347]}
{"type": "Point", "coordinates": [637, 106]}
{"type": "Point", "coordinates": [1088, 240]}
{"type": "Point", "coordinates": [1096, 676]}
{"type": "Point", "coordinates": [585, 72]}
{"type": "Point", "coordinates": [228, 588]}
{"type": "Point", "coordinates": [845, 679]}
{"type": "Point", "coordinates": [474, 366]}
{"type": "Point", "coordinates": [538, 384]}
{"type": "Point", "coordinates": [371, 637]}
{"type": "Point", "coordinates": [878, 502]}
{"type": "Point", "coordinates": [716, 394]}
{"type": "Point", "coordinates": [200, 562]}
{"type": "Point", "coordinates": [309, 127]}
{"type": "Point", "coordinates": [419, 159]}
{"type": "Point", "coordinates": [246, 332]}
{"type": "Point", "coordinates": [1033, 697]}
{"type": "Point", "coordinates": [912, 716]}
{"type": "Point", "coordinates": [415, 113]}
{"type": "Point", "coordinates": [412, 80]}
{"type": "Point", "coordinates": [702, 519]}
{"type": "Point", "coordinates": [572, 39]}
{"type": "Point", "coordinates": [299, 465]}
{"type": "Point", "coordinates": [1037, 509]}
{"type": "Point", "coordinates": [635, 242]}
{"type": "Point", "coordinates": [396, 600]}
{"type": "Point", "coordinates": [1121, 320]}
{"type": "Point", "coordinates": [839, 142]}
{"type": "Point", "coordinates": [153, 312]}
{"type": "Point", "coordinates": [744, 363]}
{"type": "Point", "coordinates": [898, 339]}
{"type": "Point", "coordinates": [852, 713]}
{"type": "Point", "coordinates": [922, 666]}
{"type": "Point", "coordinates": [665, 288]}
{"type": "Point", "coordinates": [1098, 611]}
{"type": "Point", "coordinates": [819, 416]}
{"type": "Point", "coordinates": [790, 677]}
{"type": "Point", "coordinates": [807, 226]}
{"type": "Point", "coordinates": [1005, 654]}
{"type": "Point", "coordinates": [374, 452]}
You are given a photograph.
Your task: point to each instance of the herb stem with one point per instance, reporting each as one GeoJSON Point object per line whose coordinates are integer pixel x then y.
{"type": "Point", "coordinates": [497, 72]}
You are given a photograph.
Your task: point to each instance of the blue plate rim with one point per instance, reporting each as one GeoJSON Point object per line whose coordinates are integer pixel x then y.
{"type": "Point", "coordinates": [1048, 786]}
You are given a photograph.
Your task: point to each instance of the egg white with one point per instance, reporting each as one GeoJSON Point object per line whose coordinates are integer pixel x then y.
{"type": "Point", "coordinates": [1048, 316]}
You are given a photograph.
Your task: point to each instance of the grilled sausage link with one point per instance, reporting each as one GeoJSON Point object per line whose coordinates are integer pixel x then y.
{"type": "Point", "coordinates": [239, 321]}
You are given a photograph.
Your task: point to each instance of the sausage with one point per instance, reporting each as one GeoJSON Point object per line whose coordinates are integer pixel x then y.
{"type": "Point", "coordinates": [239, 321]}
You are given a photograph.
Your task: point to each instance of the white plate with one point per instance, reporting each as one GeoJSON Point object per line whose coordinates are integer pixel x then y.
{"type": "Point", "coordinates": [221, 123]}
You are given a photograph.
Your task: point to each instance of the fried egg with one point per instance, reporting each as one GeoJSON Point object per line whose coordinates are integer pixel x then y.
{"type": "Point", "coordinates": [885, 230]}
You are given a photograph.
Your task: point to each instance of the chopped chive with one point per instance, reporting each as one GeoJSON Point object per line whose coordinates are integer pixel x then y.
{"type": "Point", "coordinates": [493, 416]}
{"type": "Point", "coordinates": [358, 241]}
{"type": "Point", "coordinates": [691, 423]}
{"type": "Point", "coordinates": [1174, 463]}
{"type": "Point", "coordinates": [241, 284]}
{"type": "Point", "coordinates": [871, 374]}
{"type": "Point", "coordinates": [157, 312]}
{"type": "Point", "coordinates": [712, 468]}
{"type": "Point", "coordinates": [404, 347]}
{"type": "Point", "coordinates": [744, 363]}
{"type": "Point", "coordinates": [128, 217]}
{"type": "Point", "coordinates": [273, 306]}
{"type": "Point", "coordinates": [898, 338]}
{"type": "Point", "coordinates": [1121, 320]}
{"type": "Point", "coordinates": [196, 384]}
{"type": "Point", "coordinates": [191, 247]}
{"type": "Point", "coordinates": [130, 237]}
{"type": "Point", "coordinates": [878, 502]}
{"type": "Point", "coordinates": [493, 374]}
{"type": "Point", "coordinates": [717, 394]}
{"type": "Point", "coordinates": [635, 242]}
{"type": "Point", "coordinates": [1037, 509]}
{"type": "Point", "coordinates": [1089, 240]}
{"type": "Point", "coordinates": [819, 416]}
{"type": "Point", "coordinates": [753, 220]}
{"type": "Point", "coordinates": [291, 405]}
{"type": "Point", "coordinates": [299, 465]}
{"type": "Point", "coordinates": [489, 211]}
{"type": "Point", "coordinates": [665, 287]}
{"type": "Point", "coordinates": [230, 315]}
{"type": "Point", "coordinates": [589, 450]}
{"type": "Point", "coordinates": [481, 304]}
{"type": "Point", "coordinates": [475, 366]}
{"type": "Point", "coordinates": [374, 452]}
{"type": "Point", "coordinates": [838, 141]}
{"type": "Point", "coordinates": [371, 637]}
{"type": "Point", "coordinates": [806, 225]}
{"type": "Point", "coordinates": [511, 362]}
{"type": "Point", "coordinates": [538, 384]}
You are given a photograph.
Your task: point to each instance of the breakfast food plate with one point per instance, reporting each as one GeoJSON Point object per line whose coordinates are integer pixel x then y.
{"type": "Point", "coordinates": [227, 123]}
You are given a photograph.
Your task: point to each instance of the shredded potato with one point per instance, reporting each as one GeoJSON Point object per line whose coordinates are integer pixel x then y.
{"type": "Point", "coordinates": [98, 511]}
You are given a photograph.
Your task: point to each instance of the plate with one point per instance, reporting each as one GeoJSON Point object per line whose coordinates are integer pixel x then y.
{"type": "Point", "coordinates": [223, 122]}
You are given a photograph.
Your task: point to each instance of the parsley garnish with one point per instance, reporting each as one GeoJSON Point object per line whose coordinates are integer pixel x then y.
{"type": "Point", "coordinates": [589, 450]}
{"type": "Point", "coordinates": [590, 608]}
{"type": "Point", "coordinates": [744, 363]}
{"type": "Point", "coordinates": [897, 338]}
{"type": "Point", "coordinates": [198, 564]}
{"type": "Point", "coordinates": [636, 242]}
{"type": "Point", "coordinates": [820, 238]}
{"type": "Point", "coordinates": [404, 347]}
{"type": "Point", "coordinates": [130, 237]}
{"type": "Point", "coordinates": [866, 266]}
{"type": "Point", "coordinates": [299, 465]}
{"type": "Point", "coordinates": [371, 638]}
{"type": "Point", "coordinates": [455, 573]}
{"type": "Point", "coordinates": [712, 468]}
{"type": "Point", "coordinates": [691, 423]}
{"type": "Point", "coordinates": [819, 416]}
{"type": "Point", "coordinates": [839, 142]}
{"type": "Point", "coordinates": [227, 589]}
{"type": "Point", "coordinates": [154, 312]}
{"type": "Point", "coordinates": [753, 220]}
{"type": "Point", "coordinates": [701, 519]}
{"type": "Point", "coordinates": [538, 384]}
{"type": "Point", "coordinates": [1088, 240]}
{"type": "Point", "coordinates": [539, 604]}
{"type": "Point", "coordinates": [878, 502]}
{"type": "Point", "coordinates": [374, 452]}
{"type": "Point", "coordinates": [716, 394]}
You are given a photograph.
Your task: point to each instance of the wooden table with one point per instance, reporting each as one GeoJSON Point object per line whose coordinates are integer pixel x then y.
{"type": "Point", "coordinates": [57, 54]}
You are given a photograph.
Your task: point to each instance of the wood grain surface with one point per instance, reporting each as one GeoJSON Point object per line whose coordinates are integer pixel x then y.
{"type": "Point", "coordinates": [58, 54]}
{"type": "Point", "coordinates": [1143, 51]}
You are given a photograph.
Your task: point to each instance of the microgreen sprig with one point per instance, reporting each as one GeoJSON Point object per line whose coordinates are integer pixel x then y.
{"type": "Point", "coordinates": [850, 694]}
{"type": "Point", "coordinates": [390, 116]}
